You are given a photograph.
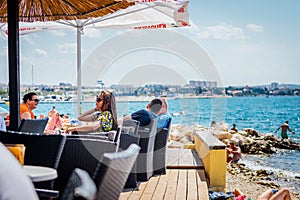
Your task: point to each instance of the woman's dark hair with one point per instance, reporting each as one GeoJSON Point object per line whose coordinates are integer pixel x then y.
{"type": "Point", "coordinates": [109, 104]}
{"type": "Point", "coordinates": [28, 96]}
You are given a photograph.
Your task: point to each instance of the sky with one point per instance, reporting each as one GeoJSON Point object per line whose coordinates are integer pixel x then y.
{"type": "Point", "coordinates": [235, 43]}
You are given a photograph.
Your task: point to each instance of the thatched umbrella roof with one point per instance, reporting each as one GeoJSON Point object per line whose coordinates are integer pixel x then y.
{"type": "Point", "coordinates": [52, 10]}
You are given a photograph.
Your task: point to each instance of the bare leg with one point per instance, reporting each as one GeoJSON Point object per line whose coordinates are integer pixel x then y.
{"type": "Point", "coordinates": [266, 195]}
{"type": "Point", "coordinates": [282, 194]}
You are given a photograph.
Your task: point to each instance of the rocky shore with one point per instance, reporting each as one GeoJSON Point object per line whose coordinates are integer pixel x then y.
{"type": "Point", "coordinates": [251, 182]}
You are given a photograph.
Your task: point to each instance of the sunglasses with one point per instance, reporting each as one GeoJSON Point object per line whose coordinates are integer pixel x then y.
{"type": "Point", "coordinates": [36, 100]}
{"type": "Point", "coordinates": [98, 99]}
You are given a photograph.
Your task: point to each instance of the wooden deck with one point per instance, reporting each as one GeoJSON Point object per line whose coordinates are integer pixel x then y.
{"type": "Point", "coordinates": [185, 179]}
{"type": "Point", "coordinates": [183, 159]}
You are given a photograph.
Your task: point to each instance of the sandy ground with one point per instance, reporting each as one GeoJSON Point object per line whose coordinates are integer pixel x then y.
{"type": "Point", "coordinates": [247, 186]}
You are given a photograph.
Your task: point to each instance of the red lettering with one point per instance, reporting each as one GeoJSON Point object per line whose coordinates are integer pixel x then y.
{"type": "Point", "coordinates": [181, 10]}
{"type": "Point", "coordinates": [24, 29]}
{"type": "Point", "coordinates": [154, 26]}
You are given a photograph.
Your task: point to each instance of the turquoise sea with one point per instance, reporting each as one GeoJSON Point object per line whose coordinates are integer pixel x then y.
{"type": "Point", "coordinates": [260, 113]}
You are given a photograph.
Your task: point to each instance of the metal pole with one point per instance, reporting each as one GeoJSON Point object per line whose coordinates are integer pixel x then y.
{"type": "Point", "coordinates": [79, 70]}
{"type": "Point", "coordinates": [32, 77]}
{"type": "Point", "coordinates": [13, 63]}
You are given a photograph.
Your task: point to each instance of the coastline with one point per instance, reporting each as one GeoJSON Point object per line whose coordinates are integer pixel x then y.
{"type": "Point", "coordinates": [131, 99]}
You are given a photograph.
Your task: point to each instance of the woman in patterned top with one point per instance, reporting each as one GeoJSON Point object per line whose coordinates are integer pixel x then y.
{"type": "Point", "coordinates": [101, 118]}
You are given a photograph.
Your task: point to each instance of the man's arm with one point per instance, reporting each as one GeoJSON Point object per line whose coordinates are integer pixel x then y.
{"type": "Point", "coordinates": [277, 129]}
{"type": "Point", "coordinates": [293, 132]}
{"type": "Point", "coordinates": [25, 115]}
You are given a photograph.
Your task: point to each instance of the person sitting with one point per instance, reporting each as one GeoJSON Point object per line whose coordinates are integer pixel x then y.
{"type": "Point", "coordinates": [234, 128]}
{"type": "Point", "coordinates": [51, 112]}
{"type": "Point", "coordinates": [213, 124]}
{"type": "Point", "coordinates": [163, 115]}
{"type": "Point", "coordinates": [234, 153]}
{"type": "Point", "coordinates": [145, 116]}
{"type": "Point", "coordinates": [30, 102]}
{"type": "Point", "coordinates": [101, 118]}
{"type": "Point", "coordinates": [282, 194]}
{"type": "Point", "coordinates": [55, 122]}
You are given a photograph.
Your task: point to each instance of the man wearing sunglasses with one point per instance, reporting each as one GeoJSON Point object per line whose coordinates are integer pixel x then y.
{"type": "Point", "coordinates": [30, 102]}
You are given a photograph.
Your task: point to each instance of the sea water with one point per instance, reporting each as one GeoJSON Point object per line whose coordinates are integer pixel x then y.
{"type": "Point", "coordinates": [263, 114]}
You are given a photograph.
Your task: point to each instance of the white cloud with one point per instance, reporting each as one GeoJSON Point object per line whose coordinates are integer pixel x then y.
{"type": "Point", "coordinates": [27, 38]}
{"type": "Point", "coordinates": [92, 33]}
{"type": "Point", "coordinates": [221, 31]}
{"type": "Point", "coordinates": [41, 52]}
{"type": "Point", "coordinates": [58, 33]}
{"type": "Point", "coordinates": [255, 28]}
{"type": "Point", "coordinates": [67, 48]}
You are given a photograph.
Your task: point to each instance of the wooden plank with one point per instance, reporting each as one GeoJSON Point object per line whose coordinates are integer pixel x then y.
{"type": "Point", "coordinates": [202, 189]}
{"type": "Point", "coordinates": [172, 185]}
{"type": "Point", "coordinates": [125, 195]}
{"type": "Point", "coordinates": [161, 187]}
{"type": "Point", "coordinates": [149, 190]}
{"type": "Point", "coordinates": [192, 185]}
{"type": "Point", "coordinates": [136, 194]}
{"type": "Point", "coordinates": [182, 184]}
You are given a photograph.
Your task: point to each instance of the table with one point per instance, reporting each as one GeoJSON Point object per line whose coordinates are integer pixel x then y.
{"type": "Point", "coordinates": [39, 173]}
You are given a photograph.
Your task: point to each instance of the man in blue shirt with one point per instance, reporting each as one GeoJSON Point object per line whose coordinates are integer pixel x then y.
{"type": "Point", "coordinates": [145, 116]}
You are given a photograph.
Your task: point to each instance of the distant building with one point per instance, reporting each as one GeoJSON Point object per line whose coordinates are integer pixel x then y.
{"type": "Point", "coordinates": [274, 85]}
{"type": "Point", "coordinates": [203, 84]}
{"type": "Point", "coordinates": [186, 90]}
{"type": "Point", "coordinates": [123, 89]}
{"type": "Point", "coordinates": [65, 84]}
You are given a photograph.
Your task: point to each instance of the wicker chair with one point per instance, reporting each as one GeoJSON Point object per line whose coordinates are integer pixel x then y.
{"type": "Point", "coordinates": [160, 147]}
{"type": "Point", "coordinates": [113, 171]}
{"type": "Point", "coordinates": [128, 137]}
{"type": "Point", "coordinates": [41, 150]}
{"type": "Point", "coordinates": [35, 126]}
{"type": "Point", "coordinates": [145, 158]}
{"type": "Point", "coordinates": [130, 126]}
{"type": "Point", "coordinates": [83, 153]}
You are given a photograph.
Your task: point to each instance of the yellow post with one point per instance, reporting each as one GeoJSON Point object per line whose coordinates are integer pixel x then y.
{"type": "Point", "coordinates": [213, 155]}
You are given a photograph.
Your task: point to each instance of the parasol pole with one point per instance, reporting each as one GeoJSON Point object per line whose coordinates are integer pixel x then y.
{"type": "Point", "coordinates": [79, 31]}
{"type": "Point", "coordinates": [13, 63]}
